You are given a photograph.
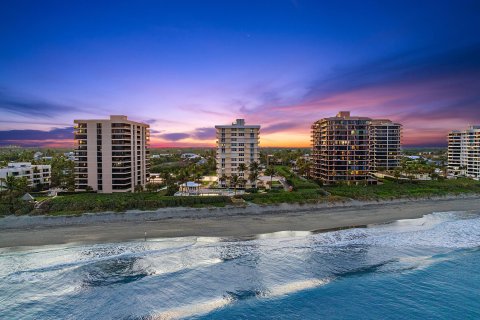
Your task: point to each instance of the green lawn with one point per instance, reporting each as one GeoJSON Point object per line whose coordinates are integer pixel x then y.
{"type": "Point", "coordinates": [294, 180]}
{"type": "Point", "coordinates": [304, 191]}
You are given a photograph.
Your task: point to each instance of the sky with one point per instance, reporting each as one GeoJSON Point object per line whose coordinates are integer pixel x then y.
{"type": "Point", "coordinates": [185, 66]}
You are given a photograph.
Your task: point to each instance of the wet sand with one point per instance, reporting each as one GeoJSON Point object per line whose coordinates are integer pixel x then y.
{"type": "Point", "coordinates": [219, 222]}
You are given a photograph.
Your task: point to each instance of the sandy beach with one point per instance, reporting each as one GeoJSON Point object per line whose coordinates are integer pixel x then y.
{"type": "Point", "coordinates": [219, 222]}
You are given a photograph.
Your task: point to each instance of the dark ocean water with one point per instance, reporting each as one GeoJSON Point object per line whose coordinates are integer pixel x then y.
{"type": "Point", "coordinates": [426, 268]}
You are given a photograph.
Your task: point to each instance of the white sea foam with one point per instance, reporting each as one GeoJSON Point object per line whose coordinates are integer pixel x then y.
{"type": "Point", "coordinates": [198, 308]}
{"type": "Point", "coordinates": [294, 286]}
{"type": "Point", "coordinates": [418, 262]}
{"type": "Point", "coordinates": [283, 234]}
{"type": "Point", "coordinates": [204, 307]}
{"type": "Point", "coordinates": [447, 230]}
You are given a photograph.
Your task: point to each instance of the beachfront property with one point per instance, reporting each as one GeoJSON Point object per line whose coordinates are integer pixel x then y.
{"type": "Point", "coordinates": [236, 144]}
{"type": "Point", "coordinates": [111, 155]}
{"type": "Point", "coordinates": [348, 149]}
{"type": "Point", "coordinates": [385, 144]}
{"type": "Point", "coordinates": [36, 175]}
{"type": "Point", "coordinates": [464, 152]}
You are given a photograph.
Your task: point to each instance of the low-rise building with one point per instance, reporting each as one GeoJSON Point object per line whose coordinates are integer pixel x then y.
{"type": "Point", "coordinates": [36, 175]}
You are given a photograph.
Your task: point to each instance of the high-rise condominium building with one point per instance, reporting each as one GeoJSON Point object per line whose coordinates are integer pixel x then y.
{"type": "Point", "coordinates": [464, 152]}
{"type": "Point", "coordinates": [111, 155]}
{"type": "Point", "coordinates": [236, 144]}
{"type": "Point", "coordinates": [346, 148]}
{"type": "Point", "coordinates": [385, 144]}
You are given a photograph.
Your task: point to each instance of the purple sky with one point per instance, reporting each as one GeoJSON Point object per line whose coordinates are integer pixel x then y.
{"type": "Point", "coordinates": [184, 66]}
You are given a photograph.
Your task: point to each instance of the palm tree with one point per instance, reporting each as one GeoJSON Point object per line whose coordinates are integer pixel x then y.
{"type": "Point", "coordinates": [234, 180]}
{"type": "Point", "coordinates": [21, 185]}
{"type": "Point", "coordinates": [165, 177]}
{"type": "Point", "coordinates": [242, 181]}
{"type": "Point", "coordinates": [242, 168]}
{"type": "Point", "coordinates": [223, 179]}
{"type": "Point", "coordinates": [2, 183]}
{"type": "Point", "coordinates": [10, 183]}
{"type": "Point", "coordinates": [270, 172]}
{"type": "Point", "coordinates": [252, 177]}
{"type": "Point", "coordinates": [254, 167]}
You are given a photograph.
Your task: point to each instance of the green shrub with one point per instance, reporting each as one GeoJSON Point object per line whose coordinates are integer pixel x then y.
{"type": "Point", "coordinates": [87, 202]}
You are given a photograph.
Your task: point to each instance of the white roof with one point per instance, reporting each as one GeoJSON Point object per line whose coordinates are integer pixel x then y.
{"type": "Point", "coordinates": [190, 184]}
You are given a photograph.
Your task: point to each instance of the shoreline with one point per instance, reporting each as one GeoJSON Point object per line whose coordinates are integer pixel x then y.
{"type": "Point", "coordinates": [238, 222]}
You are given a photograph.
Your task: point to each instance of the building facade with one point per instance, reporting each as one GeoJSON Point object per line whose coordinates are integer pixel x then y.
{"type": "Point", "coordinates": [348, 149]}
{"type": "Point", "coordinates": [36, 175]}
{"type": "Point", "coordinates": [111, 155]}
{"type": "Point", "coordinates": [236, 144]}
{"type": "Point", "coordinates": [464, 152]}
{"type": "Point", "coordinates": [385, 144]}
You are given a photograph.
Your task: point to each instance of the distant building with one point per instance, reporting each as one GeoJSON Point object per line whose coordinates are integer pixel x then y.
{"type": "Point", "coordinates": [236, 144]}
{"type": "Point", "coordinates": [188, 156]}
{"type": "Point", "coordinates": [70, 155]}
{"type": "Point", "coordinates": [348, 149]}
{"type": "Point", "coordinates": [414, 157]}
{"type": "Point", "coordinates": [464, 152]}
{"type": "Point", "coordinates": [111, 155]}
{"type": "Point", "coordinates": [36, 174]}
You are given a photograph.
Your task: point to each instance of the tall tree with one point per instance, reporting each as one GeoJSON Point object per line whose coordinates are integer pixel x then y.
{"type": "Point", "coordinates": [270, 172]}
{"type": "Point", "coordinates": [253, 176]}
{"type": "Point", "coordinates": [234, 180]}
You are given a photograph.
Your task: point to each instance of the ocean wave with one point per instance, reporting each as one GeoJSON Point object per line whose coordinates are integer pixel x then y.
{"type": "Point", "coordinates": [195, 309]}
{"type": "Point", "coordinates": [207, 306]}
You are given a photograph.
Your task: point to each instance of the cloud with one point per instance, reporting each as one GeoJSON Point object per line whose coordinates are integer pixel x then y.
{"type": "Point", "coordinates": [424, 89]}
{"type": "Point", "coordinates": [204, 133]}
{"type": "Point", "coordinates": [207, 133]}
{"type": "Point", "coordinates": [34, 107]}
{"type": "Point", "coordinates": [55, 133]}
{"type": "Point", "coordinates": [56, 137]}
{"type": "Point", "coordinates": [421, 65]}
{"type": "Point", "coordinates": [174, 136]}
{"type": "Point", "coordinates": [279, 127]}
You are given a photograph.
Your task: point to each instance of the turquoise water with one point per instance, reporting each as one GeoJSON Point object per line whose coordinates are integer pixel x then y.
{"type": "Point", "coordinates": [424, 268]}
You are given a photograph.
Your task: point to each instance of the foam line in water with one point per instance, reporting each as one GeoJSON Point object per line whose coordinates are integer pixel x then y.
{"type": "Point", "coordinates": [294, 286]}
{"type": "Point", "coordinates": [196, 309]}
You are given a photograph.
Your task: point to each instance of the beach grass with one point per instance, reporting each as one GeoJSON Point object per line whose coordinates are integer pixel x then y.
{"type": "Point", "coordinates": [304, 192]}
{"type": "Point", "coordinates": [407, 189]}
{"type": "Point", "coordinates": [120, 202]}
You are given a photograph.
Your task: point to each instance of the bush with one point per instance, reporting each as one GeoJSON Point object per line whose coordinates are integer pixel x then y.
{"type": "Point", "coordinates": [87, 202]}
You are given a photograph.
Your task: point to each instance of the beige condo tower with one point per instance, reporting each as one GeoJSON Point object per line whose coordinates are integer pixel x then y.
{"type": "Point", "coordinates": [464, 152]}
{"type": "Point", "coordinates": [236, 144]}
{"type": "Point", "coordinates": [111, 155]}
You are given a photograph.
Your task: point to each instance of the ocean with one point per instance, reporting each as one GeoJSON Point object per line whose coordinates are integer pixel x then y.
{"type": "Point", "coordinates": [427, 268]}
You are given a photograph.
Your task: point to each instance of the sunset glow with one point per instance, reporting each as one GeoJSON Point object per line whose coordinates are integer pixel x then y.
{"type": "Point", "coordinates": [281, 64]}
